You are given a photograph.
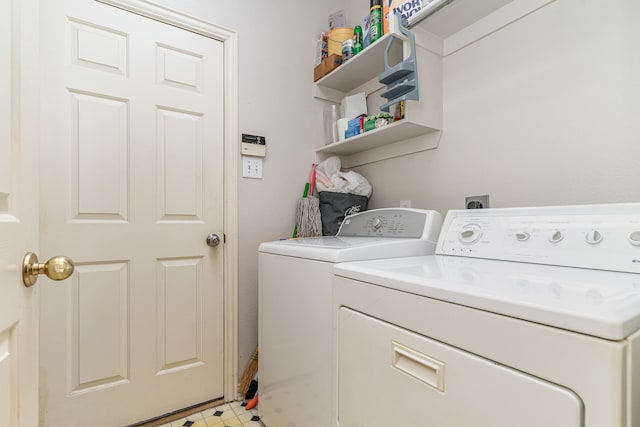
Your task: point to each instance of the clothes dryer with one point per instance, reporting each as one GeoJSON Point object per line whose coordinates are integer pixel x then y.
{"type": "Point", "coordinates": [524, 317]}
{"type": "Point", "coordinates": [295, 326]}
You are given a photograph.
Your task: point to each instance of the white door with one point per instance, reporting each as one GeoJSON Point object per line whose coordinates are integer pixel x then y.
{"type": "Point", "coordinates": [132, 184]}
{"type": "Point", "coordinates": [18, 214]}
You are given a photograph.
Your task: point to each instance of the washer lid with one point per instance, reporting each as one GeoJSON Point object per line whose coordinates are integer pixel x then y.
{"type": "Point", "coordinates": [605, 304]}
{"type": "Point", "coordinates": [373, 234]}
{"type": "Point", "coordinates": [341, 249]}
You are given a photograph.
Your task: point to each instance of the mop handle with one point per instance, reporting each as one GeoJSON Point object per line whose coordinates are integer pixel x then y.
{"type": "Point", "coordinates": [312, 179]}
{"type": "Point", "coordinates": [304, 194]}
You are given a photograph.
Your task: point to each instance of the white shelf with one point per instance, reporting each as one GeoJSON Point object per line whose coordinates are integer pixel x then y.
{"type": "Point", "coordinates": [446, 17]}
{"type": "Point", "coordinates": [360, 74]}
{"type": "Point", "coordinates": [386, 135]}
{"type": "Point", "coordinates": [363, 67]}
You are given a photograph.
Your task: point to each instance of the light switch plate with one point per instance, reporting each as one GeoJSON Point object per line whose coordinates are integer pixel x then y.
{"type": "Point", "coordinates": [251, 167]}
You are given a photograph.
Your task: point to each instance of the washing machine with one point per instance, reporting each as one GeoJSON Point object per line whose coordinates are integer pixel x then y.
{"type": "Point", "coordinates": [295, 326]}
{"type": "Point", "coordinates": [523, 317]}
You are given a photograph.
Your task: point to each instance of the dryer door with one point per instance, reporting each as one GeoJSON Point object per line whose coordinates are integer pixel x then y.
{"type": "Point", "coordinates": [391, 376]}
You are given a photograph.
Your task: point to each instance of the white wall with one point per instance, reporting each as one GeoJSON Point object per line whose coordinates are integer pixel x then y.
{"type": "Point", "coordinates": [276, 53]}
{"type": "Point", "coordinates": [542, 112]}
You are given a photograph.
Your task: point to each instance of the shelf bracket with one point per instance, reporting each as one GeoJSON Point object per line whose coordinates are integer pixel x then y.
{"type": "Point", "coordinates": [326, 93]}
{"type": "Point", "coordinates": [402, 78]}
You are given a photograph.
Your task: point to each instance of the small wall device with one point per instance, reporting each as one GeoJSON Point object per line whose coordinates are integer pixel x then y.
{"type": "Point", "coordinates": [254, 145]}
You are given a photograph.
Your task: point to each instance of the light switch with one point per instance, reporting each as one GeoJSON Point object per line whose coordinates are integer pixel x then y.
{"type": "Point", "coordinates": [251, 167]}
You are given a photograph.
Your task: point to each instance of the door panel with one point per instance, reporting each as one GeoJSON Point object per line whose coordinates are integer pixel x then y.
{"type": "Point", "coordinates": [133, 142]}
{"type": "Point", "coordinates": [98, 326]}
{"type": "Point", "coordinates": [180, 151]}
{"type": "Point", "coordinates": [99, 140]}
{"type": "Point", "coordinates": [180, 316]}
{"type": "Point", "coordinates": [6, 74]}
{"type": "Point", "coordinates": [8, 354]}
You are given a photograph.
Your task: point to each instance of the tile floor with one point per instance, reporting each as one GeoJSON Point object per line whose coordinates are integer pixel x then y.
{"type": "Point", "coordinates": [231, 414]}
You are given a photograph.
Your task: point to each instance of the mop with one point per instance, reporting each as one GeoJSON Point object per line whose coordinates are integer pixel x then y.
{"type": "Point", "coordinates": [304, 194]}
{"type": "Point", "coordinates": [308, 214]}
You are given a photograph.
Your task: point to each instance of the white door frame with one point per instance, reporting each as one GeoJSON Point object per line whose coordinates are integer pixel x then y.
{"type": "Point", "coordinates": [230, 40]}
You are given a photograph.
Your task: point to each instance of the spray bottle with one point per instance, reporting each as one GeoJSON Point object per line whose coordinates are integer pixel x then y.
{"type": "Point", "coordinates": [375, 19]}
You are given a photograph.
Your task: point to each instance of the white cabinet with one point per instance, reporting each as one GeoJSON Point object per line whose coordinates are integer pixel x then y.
{"type": "Point", "coordinates": [360, 74]}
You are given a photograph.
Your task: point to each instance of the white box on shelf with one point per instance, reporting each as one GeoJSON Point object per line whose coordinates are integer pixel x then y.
{"type": "Point", "coordinates": [354, 105]}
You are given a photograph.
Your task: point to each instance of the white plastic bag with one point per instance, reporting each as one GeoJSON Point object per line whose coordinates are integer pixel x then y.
{"type": "Point", "coordinates": [330, 178]}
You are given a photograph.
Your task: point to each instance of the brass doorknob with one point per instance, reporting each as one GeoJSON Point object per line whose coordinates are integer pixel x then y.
{"type": "Point", "coordinates": [57, 268]}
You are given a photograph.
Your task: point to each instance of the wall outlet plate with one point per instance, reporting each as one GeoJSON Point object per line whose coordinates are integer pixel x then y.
{"type": "Point", "coordinates": [476, 202]}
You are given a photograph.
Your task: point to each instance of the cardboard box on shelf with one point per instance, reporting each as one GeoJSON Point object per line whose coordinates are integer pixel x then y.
{"type": "Point", "coordinates": [353, 128]}
{"type": "Point", "coordinates": [377, 121]}
{"type": "Point", "coordinates": [326, 66]}
{"type": "Point", "coordinates": [404, 7]}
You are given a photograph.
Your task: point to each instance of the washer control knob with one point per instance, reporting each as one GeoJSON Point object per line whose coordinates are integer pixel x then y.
{"type": "Point", "coordinates": [470, 234]}
{"type": "Point", "coordinates": [377, 223]}
{"type": "Point", "coordinates": [634, 238]}
{"type": "Point", "coordinates": [556, 236]}
{"type": "Point", "coordinates": [522, 236]}
{"type": "Point", "coordinates": [594, 237]}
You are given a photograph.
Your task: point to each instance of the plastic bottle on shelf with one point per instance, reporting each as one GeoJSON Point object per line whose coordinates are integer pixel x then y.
{"type": "Point", "coordinates": [357, 39]}
{"type": "Point", "coordinates": [375, 20]}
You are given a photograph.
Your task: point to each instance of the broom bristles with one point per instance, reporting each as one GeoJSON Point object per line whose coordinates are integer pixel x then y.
{"type": "Point", "coordinates": [249, 373]}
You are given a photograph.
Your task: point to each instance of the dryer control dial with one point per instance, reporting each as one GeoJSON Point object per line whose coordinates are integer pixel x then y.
{"type": "Point", "coordinates": [634, 238]}
{"type": "Point", "coordinates": [470, 234]}
{"type": "Point", "coordinates": [556, 236]}
{"type": "Point", "coordinates": [594, 237]}
{"type": "Point", "coordinates": [522, 236]}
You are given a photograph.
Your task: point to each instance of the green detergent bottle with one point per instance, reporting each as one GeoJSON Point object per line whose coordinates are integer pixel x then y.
{"type": "Point", "coordinates": [375, 20]}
